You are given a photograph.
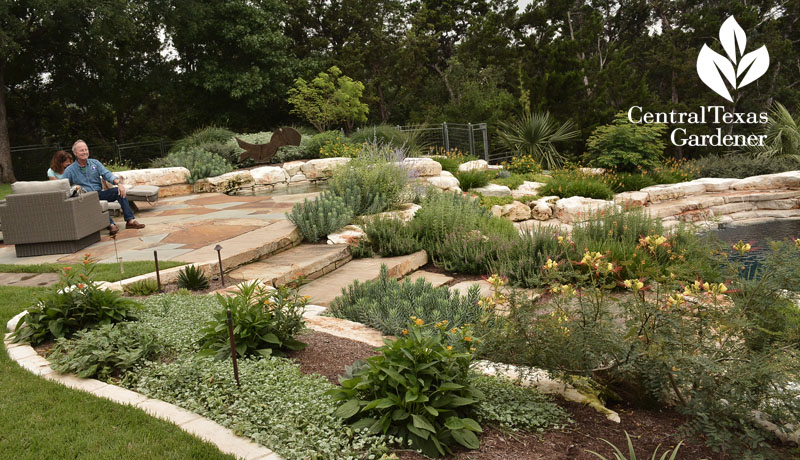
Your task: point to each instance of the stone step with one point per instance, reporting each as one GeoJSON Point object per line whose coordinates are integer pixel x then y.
{"type": "Point", "coordinates": [323, 290]}
{"type": "Point", "coordinates": [436, 279]}
{"type": "Point", "coordinates": [310, 260]}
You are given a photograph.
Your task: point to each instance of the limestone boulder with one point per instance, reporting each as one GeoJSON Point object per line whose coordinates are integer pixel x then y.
{"type": "Point", "coordinates": [268, 175]}
{"type": "Point", "coordinates": [293, 167]}
{"type": "Point", "coordinates": [445, 182]}
{"type": "Point", "coordinates": [321, 168]}
{"type": "Point", "coordinates": [715, 184]}
{"type": "Point", "coordinates": [299, 177]}
{"type": "Point", "coordinates": [493, 190]}
{"type": "Point", "coordinates": [477, 165]}
{"type": "Point", "coordinates": [405, 213]}
{"type": "Point", "coordinates": [154, 176]}
{"type": "Point", "coordinates": [225, 183]}
{"type": "Point", "coordinates": [579, 209]}
{"type": "Point", "coordinates": [632, 198]}
{"type": "Point", "coordinates": [593, 171]}
{"type": "Point", "coordinates": [658, 193]}
{"type": "Point", "coordinates": [422, 167]}
{"type": "Point", "coordinates": [542, 209]}
{"type": "Point", "coordinates": [530, 188]}
{"type": "Point", "coordinates": [350, 234]}
{"type": "Point", "coordinates": [788, 179]}
{"type": "Point", "coordinates": [514, 212]}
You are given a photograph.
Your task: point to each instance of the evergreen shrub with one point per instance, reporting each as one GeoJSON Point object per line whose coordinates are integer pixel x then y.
{"type": "Point", "coordinates": [319, 217]}
{"type": "Point", "coordinates": [386, 304]}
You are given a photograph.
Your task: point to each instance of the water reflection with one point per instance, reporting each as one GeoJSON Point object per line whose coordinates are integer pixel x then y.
{"type": "Point", "coordinates": [759, 236]}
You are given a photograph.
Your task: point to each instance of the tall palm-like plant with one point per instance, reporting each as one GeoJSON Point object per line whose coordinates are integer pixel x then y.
{"type": "Point", "coordinates": [783, 135]}
{"type": "Point", "coordinates": [536, 134]}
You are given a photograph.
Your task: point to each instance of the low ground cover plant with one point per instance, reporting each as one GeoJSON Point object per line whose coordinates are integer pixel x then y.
{"type": "Point", "coordinates": [417, 389]}
{"type": "Point", "coordinates": [105, 353]}
{"type": "Point", "coordinates": [266, 322]}
{"type": "Point", "coordinates": [386, 304]}
{"type": "Point", "coordinates": [514, 407]}
{"type": "Point", "coordinates": [76, 302]}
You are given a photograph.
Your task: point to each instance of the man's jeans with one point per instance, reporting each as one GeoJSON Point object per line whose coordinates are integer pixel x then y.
{"type": "Point", "coordinates": [112, 194]}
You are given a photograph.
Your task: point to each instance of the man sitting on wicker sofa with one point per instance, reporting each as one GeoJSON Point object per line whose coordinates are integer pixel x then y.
{"type": "Point", "coordinates": [87, 173]}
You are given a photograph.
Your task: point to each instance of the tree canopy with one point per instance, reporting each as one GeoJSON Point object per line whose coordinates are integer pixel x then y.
{"type": "Point", "coordinates": [139, 70]}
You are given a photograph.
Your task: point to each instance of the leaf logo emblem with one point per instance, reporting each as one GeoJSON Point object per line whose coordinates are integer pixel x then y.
{"type": "Point", "coordinates": [737, 69]}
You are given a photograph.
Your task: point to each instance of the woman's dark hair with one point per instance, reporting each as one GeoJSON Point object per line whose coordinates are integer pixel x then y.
{"type": "Point", "coordinates": [57, 163]}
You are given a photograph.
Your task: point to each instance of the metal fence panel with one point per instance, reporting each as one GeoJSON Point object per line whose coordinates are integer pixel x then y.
{"type": "Point", "coordinates": [469, 138]}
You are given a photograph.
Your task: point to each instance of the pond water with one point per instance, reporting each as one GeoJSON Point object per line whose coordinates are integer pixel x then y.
{"type": "Point", "coordinates": [759, 236]}
{"type": "Point", "coordinates": [301, 188]}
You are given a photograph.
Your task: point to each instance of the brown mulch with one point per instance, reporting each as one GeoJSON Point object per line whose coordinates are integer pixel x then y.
{"type": "Point", "coordinates": [327, 355]}
{"type": "Point", "coordinates": [213, 284]}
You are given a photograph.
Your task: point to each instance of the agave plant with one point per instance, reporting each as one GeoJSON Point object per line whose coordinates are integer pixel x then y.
{"type": "Point", "coordinates": [783, 135]}
{"type": "Point", "coordinates": [192, 278]}
{"type": "Point", "coordinates": [535, 134]}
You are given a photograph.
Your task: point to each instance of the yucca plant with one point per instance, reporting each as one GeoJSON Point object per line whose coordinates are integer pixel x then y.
{"type": "Point", "coordinates": [192, 278]}
{"type": "Point", "coordinates": [536, 134]}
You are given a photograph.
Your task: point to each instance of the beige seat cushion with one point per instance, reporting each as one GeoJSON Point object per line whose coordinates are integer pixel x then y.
{"type": "Point", "coordinates": [20, 187]}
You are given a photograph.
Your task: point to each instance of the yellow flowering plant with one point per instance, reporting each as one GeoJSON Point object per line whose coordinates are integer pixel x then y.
{"type": "Point", "coordinates": [265, 322]}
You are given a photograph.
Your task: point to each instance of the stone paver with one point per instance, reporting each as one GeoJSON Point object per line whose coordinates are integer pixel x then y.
{"type": "Point", "coordinates": [436, 279]}
{"type": "Point", "coordinates": [310, 260]}
{"type": "Point", "coordinates": [186, 228]}
{"type": "Point", "coordinates": [463, 287]}
{"type": "Point", "coordinates": [324, 290]}
{"type": "Point", "coordinates": [28, 279]}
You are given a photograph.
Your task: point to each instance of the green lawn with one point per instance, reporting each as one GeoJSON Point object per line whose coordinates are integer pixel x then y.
{"type": "Point", "coordinates": [5, 189]}
{"type": "Point", "coordinates": [41, 419]}
{"type": "Point", "coordinates": [102, 272]}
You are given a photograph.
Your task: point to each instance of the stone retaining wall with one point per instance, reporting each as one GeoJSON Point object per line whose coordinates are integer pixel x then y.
{"type": "Point", "coordinates": [707, 200]}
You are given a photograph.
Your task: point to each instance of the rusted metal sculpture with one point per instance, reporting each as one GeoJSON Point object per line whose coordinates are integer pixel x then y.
{"type": "Point", "coordinates": [263, 153]}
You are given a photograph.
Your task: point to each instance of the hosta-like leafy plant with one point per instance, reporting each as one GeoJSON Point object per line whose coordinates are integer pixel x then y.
{"type": "Point", "coordinates": [265, 322]}
{"type": "Point", "coordinates": [105, 352]}
{"type": "Point", "coordinates": [192, 278]}
{"type": "Point", "coordinates": [75, 303]}
{"type": "Point", "coordinates": [418, 388]}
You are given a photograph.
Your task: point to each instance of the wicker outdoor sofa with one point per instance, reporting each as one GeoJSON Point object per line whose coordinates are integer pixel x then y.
{"type": "Point", "coordinates": [40, 218]}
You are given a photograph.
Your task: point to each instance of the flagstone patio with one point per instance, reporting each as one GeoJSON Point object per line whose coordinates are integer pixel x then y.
{"type": "Point", "coordinates": [187, 228]}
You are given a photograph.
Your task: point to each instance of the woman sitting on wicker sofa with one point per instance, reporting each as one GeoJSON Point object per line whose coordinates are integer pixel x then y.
{"type": "Point", "coordinates": [58, 164]}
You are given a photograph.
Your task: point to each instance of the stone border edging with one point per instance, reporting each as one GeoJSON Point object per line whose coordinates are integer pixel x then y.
{"type": "Point", "coordinates": [194, 424]}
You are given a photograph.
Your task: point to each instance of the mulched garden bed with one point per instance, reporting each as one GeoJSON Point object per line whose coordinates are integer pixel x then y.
{"type": "Point", "coordinates": [327, 355]}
